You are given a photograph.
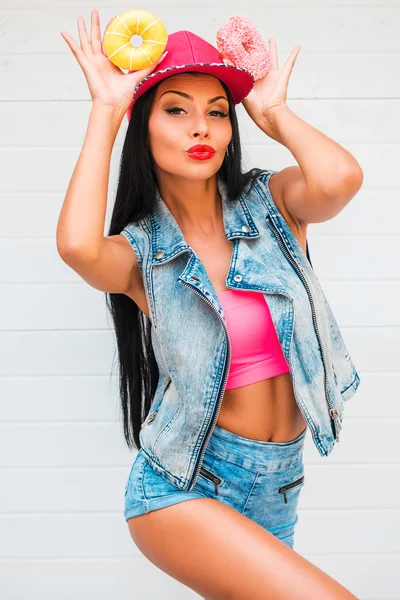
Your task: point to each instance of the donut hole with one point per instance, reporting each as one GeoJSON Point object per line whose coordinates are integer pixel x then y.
{"type": "Point", "coordinates": [136, 40]}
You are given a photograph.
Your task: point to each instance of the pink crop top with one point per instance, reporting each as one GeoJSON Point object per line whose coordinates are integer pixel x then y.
{"type": "Point", "coordinates": [256, 352]}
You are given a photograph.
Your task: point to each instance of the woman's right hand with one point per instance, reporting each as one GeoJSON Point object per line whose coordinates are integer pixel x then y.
{"type": "Point", "coordinates": [108, 84]}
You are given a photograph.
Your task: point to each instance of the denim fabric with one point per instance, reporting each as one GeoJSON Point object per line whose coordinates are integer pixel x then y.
{"type": "Point", "coordinates": [261, 480]}
{"type": "Point", "coordinates": [191, 343]}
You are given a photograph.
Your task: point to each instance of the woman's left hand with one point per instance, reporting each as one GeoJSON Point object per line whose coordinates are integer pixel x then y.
{"type": "Point", "coordinates": [270, 91]}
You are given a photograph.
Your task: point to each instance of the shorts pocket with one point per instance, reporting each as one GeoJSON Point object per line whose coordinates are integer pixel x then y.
{"type": "Point", "coordinates": [274, 498]}
{"type": "Point", "coordinates": [154, 485]}
{"type": "Point", "coordinates": [214, 479]}
{"type": "Point", "coordinates": [132, 485]}
{"type": "Point", "coordinates": [288, 488]}
{"type": "Point", "coordinates": [212, 475]}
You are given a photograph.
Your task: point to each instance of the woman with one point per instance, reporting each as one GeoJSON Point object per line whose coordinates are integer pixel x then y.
{"type": "Point", "coordinates": [218, 384]}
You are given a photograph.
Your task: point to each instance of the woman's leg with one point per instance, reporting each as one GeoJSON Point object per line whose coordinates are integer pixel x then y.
{"type": "Point", "coordinates": [221, 554]}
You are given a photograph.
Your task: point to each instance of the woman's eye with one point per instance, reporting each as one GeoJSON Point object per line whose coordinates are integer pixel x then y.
{"type": "Point", "coordinates": [172, 110]}
{"type": "Point", "coordinates": [218, 112]}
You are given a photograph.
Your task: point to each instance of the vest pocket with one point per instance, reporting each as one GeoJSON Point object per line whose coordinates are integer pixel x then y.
{"type": "Point", "coordinates": [168, 411]}
{"type": "Point", "coordinates": [151, 416]}
{"type": "Point", "coordinates": [284, 488]}
{"type": "Point", "coordinates": [165, 429]}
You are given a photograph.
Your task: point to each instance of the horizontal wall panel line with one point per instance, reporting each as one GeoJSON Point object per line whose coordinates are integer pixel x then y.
{"type": "Point", "coordinates": [74, 376]}
{"type": "Point", "coordinates": [317, 511]}
{"type": "Point", "coordinates": [49, 557]}
{"type": "Point", "coordinates": [112, 191]}
{"type": "Point", "coordinates": [113, 558]}
{"type": "Point", "coordinates": [75, 330]}
{"type": "Point", "coordinates": [124, 467]}
{"type": "Point", "coordinates": [83, 284]}
{"type": "Point", "coordinates": [110, 421]}
{"type": "Point", "coordinates": [56, 377]}
{"type": "Point", "coordinates": [47, 193]}
{"type": "Point", "coordinates": [313, 233]}
{"type": "Point", "coordinates": [243, 145]}
{"type": "Point", "coordinates": [292, 98]}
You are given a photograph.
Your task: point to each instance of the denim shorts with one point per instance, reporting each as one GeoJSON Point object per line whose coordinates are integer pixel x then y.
{"type": "Point", "coordinates": [262, 480]}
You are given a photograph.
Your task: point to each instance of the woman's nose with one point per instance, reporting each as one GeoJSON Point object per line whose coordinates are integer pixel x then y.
{"type": "Point", "coordinates": [201, 127]}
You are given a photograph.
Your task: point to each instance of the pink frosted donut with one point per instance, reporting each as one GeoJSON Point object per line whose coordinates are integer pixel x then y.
{"type": "Point", "coordinates": [240, 42]}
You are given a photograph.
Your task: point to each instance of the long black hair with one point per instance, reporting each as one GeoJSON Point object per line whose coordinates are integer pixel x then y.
{"type": "Point", "coordinates": [135, 199]}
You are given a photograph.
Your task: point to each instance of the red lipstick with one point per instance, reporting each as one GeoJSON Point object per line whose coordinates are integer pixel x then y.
{"type": "Point", "coordinates": [201, 152]}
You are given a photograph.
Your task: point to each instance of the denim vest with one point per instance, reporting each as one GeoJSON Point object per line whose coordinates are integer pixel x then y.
{"type": "Point", "coordinates": [191, 342]}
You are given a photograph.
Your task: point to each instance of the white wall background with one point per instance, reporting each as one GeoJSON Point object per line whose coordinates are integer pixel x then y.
{"type": "Point", "coordinates": [63, 462]}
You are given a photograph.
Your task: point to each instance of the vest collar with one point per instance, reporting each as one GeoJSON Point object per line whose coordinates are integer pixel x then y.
{"type": "Point", "coordinates": [167, 237]}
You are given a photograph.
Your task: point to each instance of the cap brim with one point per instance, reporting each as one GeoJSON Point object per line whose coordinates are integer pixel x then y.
{"type": "Point", "coordinates": [239, 81]}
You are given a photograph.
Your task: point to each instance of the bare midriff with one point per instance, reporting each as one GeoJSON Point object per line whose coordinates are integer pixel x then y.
{"type": "Point", "coordinates": [265, 410]}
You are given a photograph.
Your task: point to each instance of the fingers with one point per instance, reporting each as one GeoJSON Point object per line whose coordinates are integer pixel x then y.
{"type": "Point", "coordinates": [75, 49]}
{"type": "Point", "coordinates": [95, 38]}
{"type": "Point", "coordinates": [88, 47]}
{"type": "Point", "coordinates": [273, 53]}
{"type": "Point", "coordinates": [143, 73]}
{"type": "Point", "coordinates": [154, 65]}
{"type": "Point", "coordinates": [163, 55]}
{"type": "Point", "coordinates": [288, 66]}
{"type": "Point", "coordinates": [83, 37]}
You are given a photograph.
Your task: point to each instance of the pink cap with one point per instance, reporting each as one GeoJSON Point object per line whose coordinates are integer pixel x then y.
{"type": "Point", "coordinates": [189, 52]}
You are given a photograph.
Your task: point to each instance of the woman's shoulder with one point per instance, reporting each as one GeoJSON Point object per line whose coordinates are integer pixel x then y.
{"type": "Point", "coordinates": [272, 187]}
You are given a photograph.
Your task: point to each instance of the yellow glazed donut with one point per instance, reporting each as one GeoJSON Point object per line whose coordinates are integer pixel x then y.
{"type": "Point", "coordinates": [117, 39]}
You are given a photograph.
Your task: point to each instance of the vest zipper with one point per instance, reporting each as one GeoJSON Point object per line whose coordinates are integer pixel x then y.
{"type": "Point", "coordinates": [227, 366]}
{"type": "Point", "coordinates": [284, 488]}
{"type": "Point", "coordinates": [202, 452]}
{"type": "Point", "coordinates": [333, 412]}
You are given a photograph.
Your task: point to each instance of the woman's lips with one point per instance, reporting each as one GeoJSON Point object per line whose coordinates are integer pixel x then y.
{"type": "Point", "coordinates": [201, 151]}
{"type": "Point", "coordinates": [200, 155]}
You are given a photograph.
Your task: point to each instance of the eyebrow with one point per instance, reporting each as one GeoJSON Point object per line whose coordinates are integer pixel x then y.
{"type": "Point", "coordinates": [191, 97]}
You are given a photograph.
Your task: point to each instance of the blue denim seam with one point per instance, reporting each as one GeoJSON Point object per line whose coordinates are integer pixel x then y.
{"type": "Point", "coordinates": [349, 386]}
{"type": "Point", "coordinates": [259, 469]}
{"type": "Point", "coordinates": [250, 493]}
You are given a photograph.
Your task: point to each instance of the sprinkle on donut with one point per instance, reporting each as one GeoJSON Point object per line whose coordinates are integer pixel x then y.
{"type": "Point", "coordinates": [240, 42]}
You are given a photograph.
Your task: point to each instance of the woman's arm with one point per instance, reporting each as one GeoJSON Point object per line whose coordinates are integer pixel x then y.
{"type": "Point", "coordinates": [106, 263]}
{"type": "Point", "coordinates": [327, 177]}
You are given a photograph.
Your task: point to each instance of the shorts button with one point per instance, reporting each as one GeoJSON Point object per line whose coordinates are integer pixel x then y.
{"type": "Point", "coordinates": [160, 254]}
{"type": "Point", "coordinates": [238, 278]}
{"type": "Point", "coordinates": [245, 228]}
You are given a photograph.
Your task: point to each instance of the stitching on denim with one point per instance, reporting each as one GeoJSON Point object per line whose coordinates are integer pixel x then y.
{"type": "Point", "coordinates": [212, 472]}
{"type": "Point", "coordinates": [166, 428]}
{"type": "Point", "coordinates": [134, 245]}
{"type": "Point", "coordinates": [349, 386]}
{"type": "Point", "coordinates": [141, 476]}
{"type": "Point", "coordinates": [257, 469]}
{"type": "Point", "coordinates": [250, 492]}
{"type": "Point", "coordinates": [153, 460]}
